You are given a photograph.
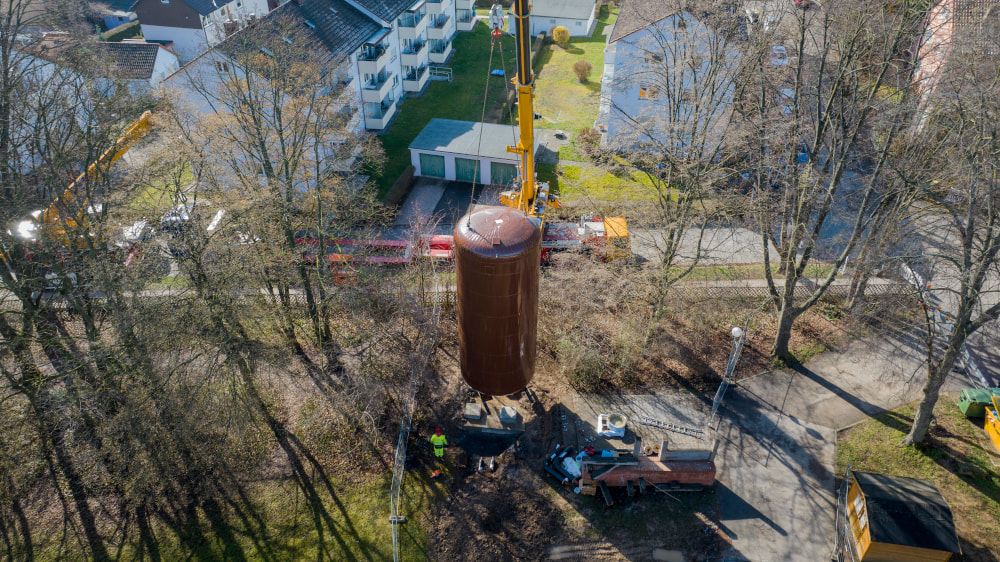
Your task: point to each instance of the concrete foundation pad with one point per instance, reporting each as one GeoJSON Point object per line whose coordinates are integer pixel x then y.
{"type": "Point", "coordinates": [579, 413]}
{"type": "Point", "coordinates": [489, 423]}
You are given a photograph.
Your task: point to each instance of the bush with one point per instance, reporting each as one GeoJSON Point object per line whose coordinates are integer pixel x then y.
{"type": "Point", "coordinates": [560, 35]}
{"type": "Point", "coordinates": [123, 31]}
{"type": "Point", "coordinates": [582, 70]}
{"type": "Point", "coordinates": [588, 140]}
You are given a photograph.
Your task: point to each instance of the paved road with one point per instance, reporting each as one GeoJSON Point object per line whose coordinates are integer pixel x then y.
{"type": "Point", "coordinates": [777, 449]}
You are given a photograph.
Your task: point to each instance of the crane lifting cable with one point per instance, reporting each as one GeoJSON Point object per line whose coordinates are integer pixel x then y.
{"type": "Point", "coordinates": [482, 118]}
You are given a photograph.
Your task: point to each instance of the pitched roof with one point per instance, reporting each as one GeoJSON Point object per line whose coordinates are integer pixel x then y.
{"type": "Point", "coordinates": [908, 512]}
{"type": "Point", "coordinates": [205, 7]}
{"type": "Point", "coordinates": [388, 10]}
{"type": "Point", "coordinates": [132, 61]}
{"type": "Point", "coordinates": [640, 14]}
{"type": "Point", "coordinates": [340, 26]}
{"type": "Point", "coordinates": [573, 9]}
{"type": "Point", "coordinates": [114, 5]}
{"type": "Point", "coordinates": [467, 138]}
{"type": "Point", "coordinates": [325, 29]}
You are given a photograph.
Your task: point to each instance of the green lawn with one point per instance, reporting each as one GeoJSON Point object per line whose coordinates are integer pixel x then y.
{"type": "Point", "coordinates": [275, 522]}
{"type": "Point", "coordinates": [556, 90]}
{"type": "Point", "coordinates": [461, 99]}
{"type": "Point", "coordinates": [874, 446]}
{"type": "Point", "coordinates": [158, 195]}
{"type": "Point", "coordinates": [558, 94]}
{"type": "Point", "coordinates": [575, 183]}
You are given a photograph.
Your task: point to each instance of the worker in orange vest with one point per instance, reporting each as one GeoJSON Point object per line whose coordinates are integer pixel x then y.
{"type": "Point", "coordinates": [439, 441]}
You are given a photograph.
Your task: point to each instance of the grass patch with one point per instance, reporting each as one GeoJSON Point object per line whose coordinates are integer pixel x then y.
{"type": "Point", "coordinates": [558, 94]}
{"type": "Point", "coordinates": [874, 446]}
{"type": "Point", "coordinates": [179, 281]}
{"type": "Point", "coordinates": [724, 272]}
{"type": "Point", "coordinates": [159, 195]}
{"type": "Point", "coordinates": [461, 99]}
{"type": "Point", "coordinates": [556, 90]}
{"type": "Point", "coordinates": [571, 151]}
{"type": "Point", "coordinates": [359, 514]}
{"type": "Point", "coordinates": [575, 183]}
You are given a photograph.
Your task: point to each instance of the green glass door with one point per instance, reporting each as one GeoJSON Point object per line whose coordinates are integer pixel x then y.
{"type": "Point", "coordinates": [432, 165]}
{"type": "Point", "coordinates": [502, 174]}
{"type": "Point", "coordinates": [466, 169]}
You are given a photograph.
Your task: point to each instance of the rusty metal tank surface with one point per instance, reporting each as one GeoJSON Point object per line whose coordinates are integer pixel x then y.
{"type": "Point", "coordinates": [497, 255]}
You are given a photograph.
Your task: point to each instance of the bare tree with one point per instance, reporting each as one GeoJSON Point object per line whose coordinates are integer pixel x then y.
{"type": "Point", "coordinates": [669, 117]}
{"type": "Point", "coordinates": [811, 108]}
{"type": "Point", "coordinates": [958, 218]}
{"type": "Point", "coordinates": [279, 128]}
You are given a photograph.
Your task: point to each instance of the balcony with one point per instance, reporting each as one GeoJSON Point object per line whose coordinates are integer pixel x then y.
{"type": "Point", "coordinates": [439, 28]}
{"type": "Point", "coordinates": [415, 54]}
{"type": "Point", "coordinates": [440, 51]}
{"type": "Point", "coordinates": [465, 20]}
{"type": "Point", "coordinates": [437, 7]}
{"type": "Point", "coordinates": [378, 118]}
{"type": "Point", "coordinates": [414, 80]}
{"type": "Point", "coordinates": [376, 90]}
{"type": "Point", "coordinates": [465, 5]}
{"type": "Point", "coordinates": [372, 59]}
{"type": "Point", "coordinates": [412, 25]}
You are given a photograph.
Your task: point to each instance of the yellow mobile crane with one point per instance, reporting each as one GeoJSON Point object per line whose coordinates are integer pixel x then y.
{"type": "Point", "coordinates": [533, 196]}
{"type": "Point", "coordinates": [65, 214]}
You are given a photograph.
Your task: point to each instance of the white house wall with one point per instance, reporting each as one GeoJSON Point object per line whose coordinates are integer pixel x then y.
{"type": "Point", "coordinates": [238, 11]}
{"type": "Point", "coordinates": [166, 64]}
{"type": "Point", "coordinates": [188, 43]}
{"type": "Point", "coordinates": [576, 27]}
{"type": "Point", "coordinates": [485, 165]}
{"type": "Point", "coordinates": [624, 105]}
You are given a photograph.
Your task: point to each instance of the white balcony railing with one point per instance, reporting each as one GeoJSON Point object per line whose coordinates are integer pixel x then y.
{"type": "Point", "coordinates": [415, 55]}
{"type": "Point", "coordinates": [374, 91]}
{"type": "Point", "coordinates": [414, 81]}
{"type": "Point", "coordinates": [378, 120]}
{"type": "Point", "coordinates": [373, 59]}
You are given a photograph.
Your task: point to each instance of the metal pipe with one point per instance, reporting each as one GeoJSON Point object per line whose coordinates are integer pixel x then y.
{"type": "Point", "coordinates": [551, 469]}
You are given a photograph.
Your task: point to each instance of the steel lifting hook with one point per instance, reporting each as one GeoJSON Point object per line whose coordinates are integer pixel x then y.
{"type": "Point", "coordinates": [496, 20]}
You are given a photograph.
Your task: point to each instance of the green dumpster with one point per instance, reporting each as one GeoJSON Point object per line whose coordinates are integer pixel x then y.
{"type": "Point", "coordinates": [974, 401]}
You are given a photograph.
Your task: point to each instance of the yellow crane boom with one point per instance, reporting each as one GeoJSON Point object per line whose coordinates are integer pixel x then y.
{"type": "Point", "coordinates": [532, 197]}
{"type": "Point", "coordinates": [61, 215]}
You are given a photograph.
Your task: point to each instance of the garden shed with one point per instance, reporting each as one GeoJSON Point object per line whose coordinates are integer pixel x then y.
{"type": "Point", "coordinates": [451, 149]}
{"type": "Point", "coordinates": [891, 518]}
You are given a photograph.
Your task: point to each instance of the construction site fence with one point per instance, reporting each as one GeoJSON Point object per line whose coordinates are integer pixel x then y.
{"type": "Point", "coordinates": [757, 292]}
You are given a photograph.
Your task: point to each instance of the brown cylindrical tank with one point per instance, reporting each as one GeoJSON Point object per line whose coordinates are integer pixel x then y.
{"type": "Point", "coordinates": [497, 255]}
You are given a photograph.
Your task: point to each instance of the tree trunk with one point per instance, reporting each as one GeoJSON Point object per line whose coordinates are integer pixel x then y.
{"type": "Point", "coordinates": [935, 380]}
{"type": "Point", "coordinates": [785, 320]}
{"type": "Point", "coordinates": [859, 284]}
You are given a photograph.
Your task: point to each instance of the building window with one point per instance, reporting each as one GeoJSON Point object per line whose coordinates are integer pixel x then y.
{"type": "Point", "coordinates": [647, 92]}
{"type": "Point", "coordinates": [221, 66]}
{"type": "Point", "coordinates": [164, 1]}
{"type": "Point", "coordinates": [579, 23]}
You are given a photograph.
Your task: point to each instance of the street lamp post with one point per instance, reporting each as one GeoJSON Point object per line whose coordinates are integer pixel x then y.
{"type": "Point", "coordinates": [739, 339]}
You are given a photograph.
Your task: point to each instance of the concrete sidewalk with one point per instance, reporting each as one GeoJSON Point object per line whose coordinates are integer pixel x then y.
{"type": "Point", "coordinates": [777, 450]}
